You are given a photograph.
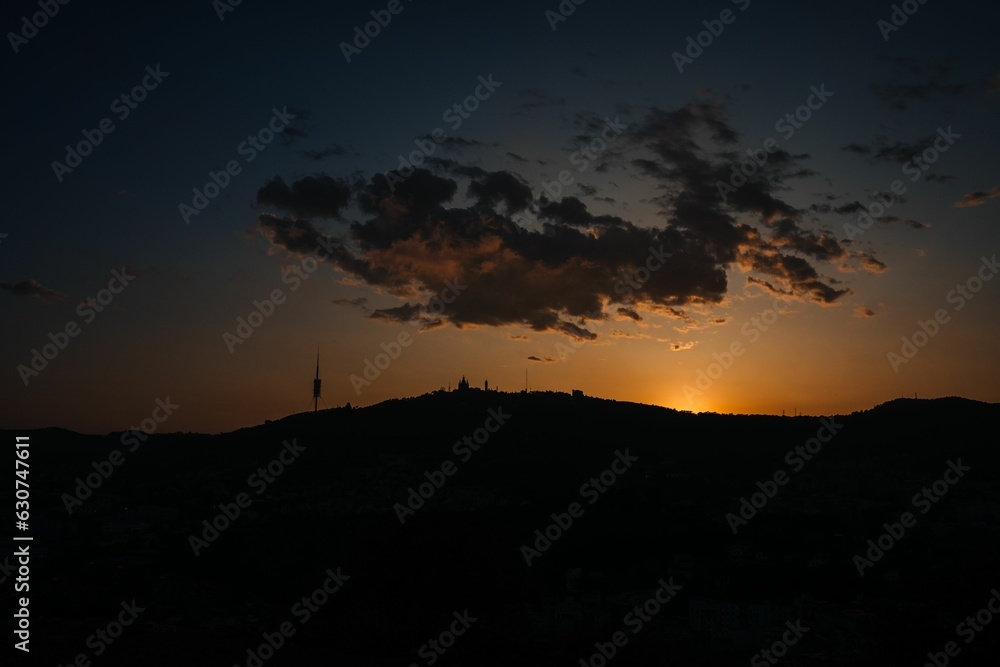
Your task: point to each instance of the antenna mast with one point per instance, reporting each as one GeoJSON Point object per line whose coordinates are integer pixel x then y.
{"type": "Point", "coordinates": [316, 383]}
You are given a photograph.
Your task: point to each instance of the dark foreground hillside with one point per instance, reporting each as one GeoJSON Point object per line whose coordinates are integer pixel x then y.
{"type": "Point", "coordinates": [659, 551]}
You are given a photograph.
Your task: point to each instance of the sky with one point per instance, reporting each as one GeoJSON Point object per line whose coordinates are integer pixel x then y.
{"type": "Point", "coordinates": [729, 206]}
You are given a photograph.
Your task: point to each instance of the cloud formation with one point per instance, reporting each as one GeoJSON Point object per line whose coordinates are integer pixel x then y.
{"type": "Point", "coordinates": [33, 289]}
{"type": "Point", "coordinates": [978, 198]}
{"type": "Point", "coordinates": [418, 235]}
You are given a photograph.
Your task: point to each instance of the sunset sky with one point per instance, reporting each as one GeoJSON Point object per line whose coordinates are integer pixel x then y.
{"type": "Point", "coordinates": [552, 278]}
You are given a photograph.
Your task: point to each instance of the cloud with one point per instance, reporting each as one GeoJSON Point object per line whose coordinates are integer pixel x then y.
{"type": "Point", "coordinates": [360, 303]}
{"type": "Point", "coordinates": [314, 196]}
{"type": "Point", "coordinates": [872, 265]}
{"type": "Point", "coordinates": [909, 222]}
{"type": "Point", "coordinates": [533, 98]}
{"type": "Point", "coordinates": [34, 289]}
{"type": "Point", "coordinates": [978, 198]}
{"type": "Point", "coordinates": [855, 207]}
{"type": "Point", "coordinates": [881, 149]}
{"type": "Point", "coordinates": [455, 168]}
{"type": "Point", "coordinates": [401, 314]}
{"type": "Point", "coordinates": [501, 186]}
{"type": "Point", "coordinates": [570, 267]}
{"type": "Point", "coordinates": [334, 150]}
{"type": "Point", "coordinates": [542, 360]}
{"type": "Point", "coordinates": [298, 128]}
{"type": "Point", "coordinates": [863, 312]}
{"type": "Point", "coordinates": [630, 313]}
{"type": "Point", "coordinates": [916, 81]}
{"type": "Point", "coordinates": [678, 347]}
{"type": "Point", "coordinates": [455, 143]}
{"type": "Point", "coordinates": [901, 96]}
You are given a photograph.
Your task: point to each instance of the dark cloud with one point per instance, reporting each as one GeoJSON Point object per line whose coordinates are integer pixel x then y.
{"type": "Point", "coordinates": [850, 208]}
{"type": "Point", "coordinates": [298, 128]}
{"type": "Point", "coordinates": [542, 360]}
{"type": "Point", "coordinates": [314, 196]}
{"type": "Point", "coordinates": [456, 168]}
{"type": "Point", "coordinates": [901, 96]}
{"type": "Point", "coordinates": [855, 207]}
{"type": "Point", "coordinates": [360, 302]}
{"type": "Point", "coordinates": [916, 81]}
{"type": "Point", "coordinates": [894, 152]}
{"type": "Point", "coordinates": [34, 289]}
{"type": "Point", "coordinates": [335, 150]}
{"type": "Point", "coordinates": [572, 211]}
{"type": "Point", "coordinates": [909, 222]}
{"type": "Point", "coordinates": [533, 98]}
{"type": "Point", "coordinates": [501, 186]}
{"type": "Point", "coordinates": [630, 313]}
{"type": "Point", "coordinates": [857, 149]}
{"type": "Point", "coordinates": [456, 143]}
{"type": "Point", "coordinates": [405, 313]}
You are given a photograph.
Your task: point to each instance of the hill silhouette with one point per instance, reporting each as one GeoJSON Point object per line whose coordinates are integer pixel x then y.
{"type": "Point", "coordinates": [666, 505]}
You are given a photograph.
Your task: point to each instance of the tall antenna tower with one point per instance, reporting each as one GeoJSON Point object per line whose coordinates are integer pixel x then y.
{"type": "Point", "coordinates": [316, 383]}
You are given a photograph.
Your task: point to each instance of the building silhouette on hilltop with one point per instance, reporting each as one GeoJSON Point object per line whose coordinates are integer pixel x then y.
{"type": "Point", "coordinates": [463, 385]}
